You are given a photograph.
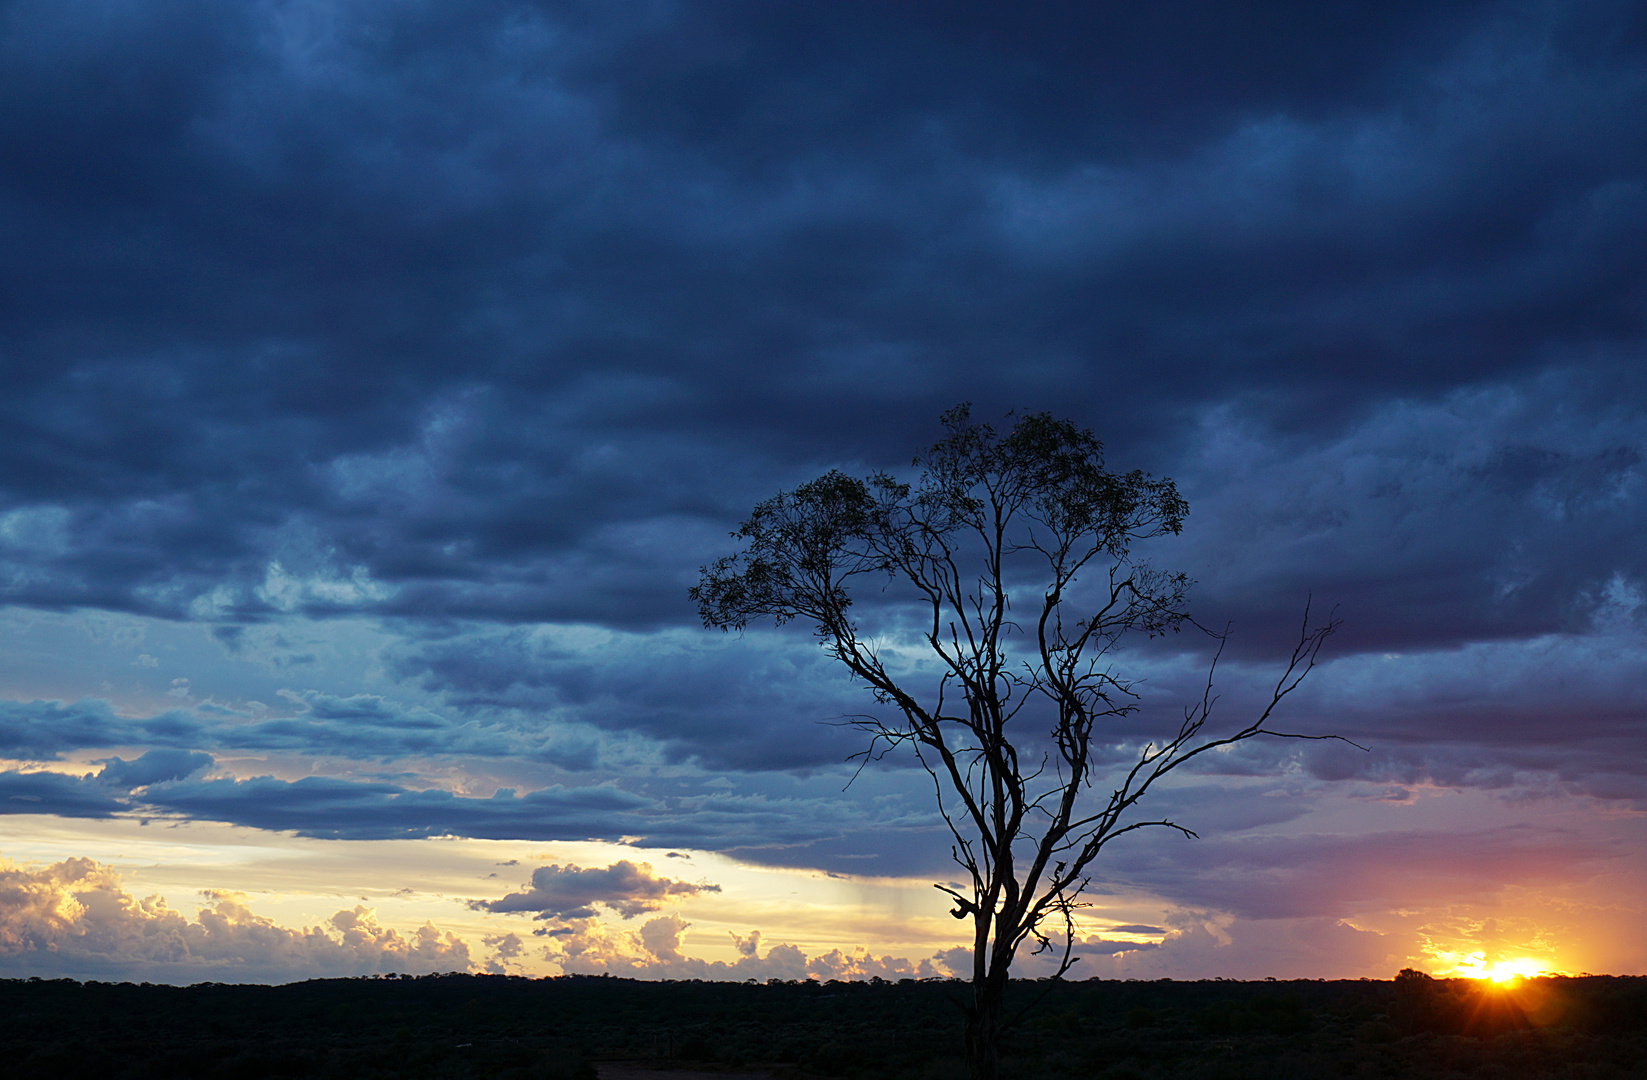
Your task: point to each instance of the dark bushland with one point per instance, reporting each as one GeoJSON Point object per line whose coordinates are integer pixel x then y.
{"type": "Point", "coordinates": [489, 1027]}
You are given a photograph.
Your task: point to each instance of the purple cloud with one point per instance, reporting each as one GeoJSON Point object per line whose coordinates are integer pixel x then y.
{"type": "Point", "coordinates": [572, 892]}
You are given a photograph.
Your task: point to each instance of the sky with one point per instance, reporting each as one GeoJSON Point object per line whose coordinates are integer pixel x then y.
{"type": "Point", "coordinates": [378, 376]}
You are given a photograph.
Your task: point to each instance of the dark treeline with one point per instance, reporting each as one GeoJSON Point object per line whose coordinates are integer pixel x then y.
{"type": "Point", "coordinates": [510, 1028]}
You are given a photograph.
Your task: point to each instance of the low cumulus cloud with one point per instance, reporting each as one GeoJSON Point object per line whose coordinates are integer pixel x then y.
{"type": "Point", "coordinates": [573, 892]}
{"type": "Point", "coordinates": [657, 950]}
{"type": "Point", "coordinates": [574, 939]}
{"type": "Point", "coordinates": [75, 918]}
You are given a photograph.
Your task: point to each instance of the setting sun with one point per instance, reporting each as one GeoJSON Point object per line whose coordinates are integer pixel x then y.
{"type": "Point", "coordinates": [1505, 970]}
{"type": "Point", "coordinates": [1500, 971]}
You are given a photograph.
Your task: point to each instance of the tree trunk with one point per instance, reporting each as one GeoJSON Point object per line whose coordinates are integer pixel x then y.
{"type": "Point", "coordinates": [983, 1031]}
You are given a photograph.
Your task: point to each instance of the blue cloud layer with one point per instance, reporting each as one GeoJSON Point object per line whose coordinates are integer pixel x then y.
{"type": "Point", "coordinates": [515, 343]}
{"type": "Point", "coordinates": [485, 323]}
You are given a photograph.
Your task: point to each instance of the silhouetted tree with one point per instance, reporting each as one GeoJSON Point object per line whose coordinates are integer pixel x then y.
{"type": "Point", "coordinates": [1027, 524]}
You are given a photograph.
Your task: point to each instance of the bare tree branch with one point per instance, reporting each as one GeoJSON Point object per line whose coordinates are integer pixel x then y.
{"type": "Point", "coordinates": [1006, 731]}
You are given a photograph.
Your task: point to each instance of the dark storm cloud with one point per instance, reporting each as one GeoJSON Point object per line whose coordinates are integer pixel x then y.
{"type": "Point", "coordinates": [748, 703]}
{"type": "Point", "coordinates": [370, 726]}
{"type": "Point", "coordinates": [1504, 512]}
{"type": "Point", "coordinates": [54, 793]}
{"type": "Point", "coordinates": [786, 828]}
{"type": "Point", "coordinates": [572, 892]}
{"type": "Point", "coordinates": [1555, 714]}
{"type": "Point", "coordinates": [361, 727]}
{"type": "Point", "coordinates": [45, 730]}
{"type": "Point", "coordinates": [503, 311]}
{"type": "Point", "coordinates": [484, 318]}
{"type": "Point", "coordinates": [339, 809]}
{"type": "Point", "coordinates": [153, 767]}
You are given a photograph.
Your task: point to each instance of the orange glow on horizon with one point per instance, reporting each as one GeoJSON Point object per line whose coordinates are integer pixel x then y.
{"type": "Point", "coordinates": [1502, 971]}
